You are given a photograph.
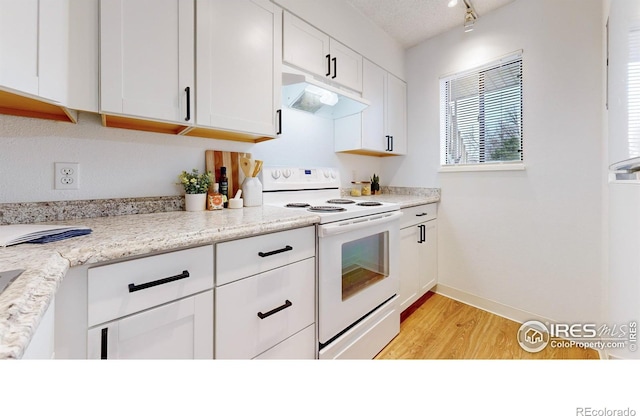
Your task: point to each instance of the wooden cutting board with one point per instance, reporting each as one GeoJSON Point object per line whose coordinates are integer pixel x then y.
{"type": "Point", "coordinates": [215, 159]}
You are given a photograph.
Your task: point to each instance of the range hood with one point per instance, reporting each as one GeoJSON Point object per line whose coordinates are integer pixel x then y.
{"type": "Point", "coordinates": [303, 92]}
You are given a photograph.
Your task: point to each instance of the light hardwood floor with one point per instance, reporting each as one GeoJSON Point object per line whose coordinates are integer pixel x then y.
{"type": "Point", "coordinates": [443, 328]}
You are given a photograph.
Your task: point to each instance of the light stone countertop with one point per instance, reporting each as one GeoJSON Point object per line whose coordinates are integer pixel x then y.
{"type": "Point", "coordinates": [24, 302]}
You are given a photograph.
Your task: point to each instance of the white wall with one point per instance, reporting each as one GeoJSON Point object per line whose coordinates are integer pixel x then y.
{"type": "Point", "coordinates": [530, 240]}
{"type": "Point", "coordinates": [117, 163]}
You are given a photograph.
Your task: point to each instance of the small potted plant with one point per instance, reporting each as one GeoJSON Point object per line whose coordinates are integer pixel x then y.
{"type": "Point", "coordinates": [195, 185]}
{"type": "Point", "coordinates": [375, 184]}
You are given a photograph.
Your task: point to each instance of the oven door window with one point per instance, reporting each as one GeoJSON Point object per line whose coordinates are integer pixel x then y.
{"type": "Point", "coordinates": [365, 262]}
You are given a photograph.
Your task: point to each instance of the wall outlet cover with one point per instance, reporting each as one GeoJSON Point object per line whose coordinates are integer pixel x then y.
{"type": "Point", "coordinates": [67, 175]}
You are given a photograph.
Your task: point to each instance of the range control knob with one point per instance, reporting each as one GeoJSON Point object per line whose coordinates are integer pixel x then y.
{"type": "Point", "coordinates": [275, 174]}
{"type": "Point", "coordinates": [333, 174]}
{"type": "Point", "coordinates": [326, 174]}
{"type": "Point", "coordinates": [286, 173]}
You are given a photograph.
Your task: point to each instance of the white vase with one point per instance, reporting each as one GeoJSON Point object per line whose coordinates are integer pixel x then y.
{"type": "Point", "coordinates": [252, 192]}
{"type": "Point", "coordinates": [195, 202]}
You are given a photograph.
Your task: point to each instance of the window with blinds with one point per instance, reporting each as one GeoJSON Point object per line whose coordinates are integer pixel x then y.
{"type": "Point", "coordinates": [481, 114]}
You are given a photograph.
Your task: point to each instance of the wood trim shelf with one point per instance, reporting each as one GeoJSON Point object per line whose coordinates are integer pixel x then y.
{"type": "Point", "coordinates": [15, 104]}
{"type": "Point", "coordinates": [212, 133]}
{"type": "Point", "coordinates": [122, 122]}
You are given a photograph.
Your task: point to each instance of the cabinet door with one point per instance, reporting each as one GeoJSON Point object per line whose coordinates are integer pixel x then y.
{"type": "Point", "coordinates": [373, 84]}
{"type": "Point", "coordinates": [34, 47]}
{"type": "Point", "coordinates": [238, 65]}
{"type": "Point", "coordinates": [19, 45]}
{"type": "Point", "coordinates": [428, 257]}
{"type": "Point", "coordinates": [410, 267]}
{"type": "Point", "coordinates": [305, 46]}
{"type": "Point", "coordinates": [147, 58]}
{"type": "Point", "coordinates": [346, 66]}
{"type": "Point", "coordinates": [396, 114]}
{"type": "Point", "coordinates": [181, 329]}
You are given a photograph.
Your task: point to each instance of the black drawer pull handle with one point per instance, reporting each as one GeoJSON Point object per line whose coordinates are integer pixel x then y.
{"type": "Point", "coordinates": [287, 303]}
{"type": "Point", "coordinates": [103, 344]}
{"type": "Point", "coordinates": [271, 253]}
{"type": "Point", "coordinates": [422, 214]}
{"type": "Point", "coordinates": [134, 288]}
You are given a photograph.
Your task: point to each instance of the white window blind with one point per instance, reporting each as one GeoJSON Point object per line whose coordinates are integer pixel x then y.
{"type": "Point", "coordinates": [481, 114]}
{"type": "Point", "coordinates": [633, 90]}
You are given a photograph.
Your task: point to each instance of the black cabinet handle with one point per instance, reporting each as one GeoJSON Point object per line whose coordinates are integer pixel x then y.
{"type": "Point", "coordinates": [287, 303]}
{"type": "Point", "coordinates": [391, 149]}
{"type": "Point", "coordinates": [422, 214]}
{"type": "Point", "coordinates": [335, 67]}
{"type": "Point", "coordinates": [422, 237]}
{"type": "Point", "coordinates": [388, 143]}
{"type": "Point", "coordinates": [188, 91]}
{"type": "Point", "coordinates": [134, 288]}
{"type": "Point", "coordinates": [279, 122]}
{"type": "Point", "coordinates": [271, 253]}
{"type": "Point", "coordinates": [103, 343]}
{"type": "Point", "coordinates": [328, 64]}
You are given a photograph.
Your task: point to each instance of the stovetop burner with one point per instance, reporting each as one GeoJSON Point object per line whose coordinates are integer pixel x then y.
{"type": "Point", "coordinates": [297, 205]}
{"type": "Point", "coordinates": [326, 208]}
{"type": "Point", "coordinates": [369, 204]}
{"type": "Point", "coordinates": [340, 201]}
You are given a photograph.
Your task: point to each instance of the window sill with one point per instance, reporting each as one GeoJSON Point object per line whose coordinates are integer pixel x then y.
{"type": "Point", "coordinates": [482, 167]}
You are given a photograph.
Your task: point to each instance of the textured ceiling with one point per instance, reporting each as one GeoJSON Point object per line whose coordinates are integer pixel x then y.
{"type": "Point", "coordinates": [412, 21]}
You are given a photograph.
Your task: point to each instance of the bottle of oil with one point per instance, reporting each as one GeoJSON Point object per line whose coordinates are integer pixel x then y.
{"type": "Point", "coordinates": [224, 186]}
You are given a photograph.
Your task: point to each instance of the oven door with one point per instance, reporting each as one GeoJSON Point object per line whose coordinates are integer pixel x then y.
{"type": "Point", "coordinates": [357, 268]}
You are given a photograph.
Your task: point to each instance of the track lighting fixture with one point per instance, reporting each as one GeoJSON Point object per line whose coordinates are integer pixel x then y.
{"type": "Point", "coordinates": [469, 17]}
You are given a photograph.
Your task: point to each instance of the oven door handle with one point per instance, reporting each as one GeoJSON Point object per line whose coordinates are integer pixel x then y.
{"type": "Point", "coordinates": [357, 223]}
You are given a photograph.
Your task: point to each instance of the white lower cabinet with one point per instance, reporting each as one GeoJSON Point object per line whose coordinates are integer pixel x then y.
{"type": "Point", "coordinates": [159, 306]}
{"type": "Point", "coordinates": [180, 329]}
{"type": "Point", "coordinates": [268, 311]}
{"type": "Point", "coordinates": [418, 253]}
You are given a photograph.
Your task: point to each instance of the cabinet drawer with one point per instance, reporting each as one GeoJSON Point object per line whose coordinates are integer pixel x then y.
{"type": "Point", "coordinates": [301, 346]}
{"type": "Point", "coordinates": [248, 256]}
{"type": "Point", "coordinates": [254, 314]}
{"type": "Point", "coordinates": [120, 289]}
{"type": "Point", "coordinates": [416, 215]}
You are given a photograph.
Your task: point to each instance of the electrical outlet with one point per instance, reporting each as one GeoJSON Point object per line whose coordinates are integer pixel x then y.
{"type": "Point", "coordinates": [67, 175]}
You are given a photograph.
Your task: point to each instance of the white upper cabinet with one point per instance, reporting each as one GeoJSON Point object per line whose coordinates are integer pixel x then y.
{"type": "Point", "coordinates": [147, 59]}
{"type": "Point", "coordinates": [314, 51]}
{"type": "Point", "coordinates": [396, 114]}
{"type": "Point", "coordinates": [346, 65]}
{"type": "Point", "coordinates": [381, 129]}
{"type": "Point", "coordinates": [19, 45]}
{"type": "Point", "coordinates": [238, 66]}
{"type": "Point", "coordinates": [34, 58]}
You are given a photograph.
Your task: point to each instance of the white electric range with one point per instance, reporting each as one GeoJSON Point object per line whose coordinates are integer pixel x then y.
{"type": "Point", "coordinates": [357, 256]}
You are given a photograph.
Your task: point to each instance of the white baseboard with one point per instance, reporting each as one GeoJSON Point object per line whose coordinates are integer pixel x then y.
{"type": "Point", "coordinates": [496, 308]}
